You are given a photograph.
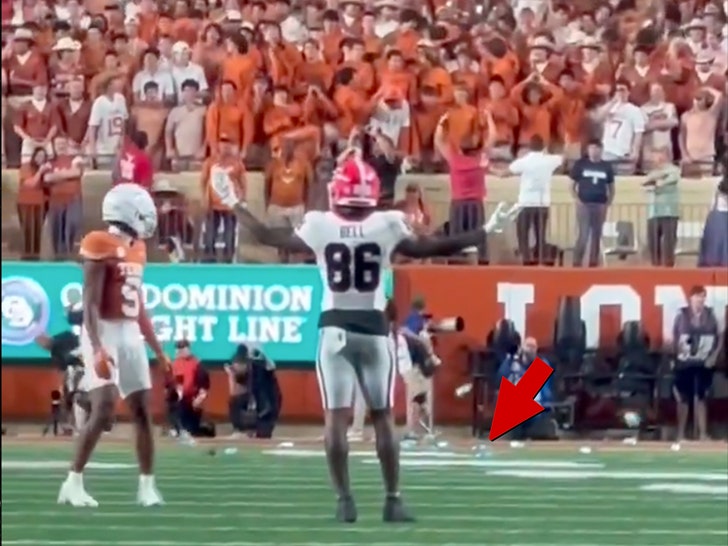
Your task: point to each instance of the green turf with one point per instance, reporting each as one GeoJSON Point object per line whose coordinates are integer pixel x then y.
{"type": "Point", "coordinates": [260, 499]}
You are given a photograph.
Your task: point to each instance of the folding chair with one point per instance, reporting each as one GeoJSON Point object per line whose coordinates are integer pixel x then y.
{"type": "Point", "coordinates": [619, 239]}
{"type": "Point", "coordinates": [688, 238]}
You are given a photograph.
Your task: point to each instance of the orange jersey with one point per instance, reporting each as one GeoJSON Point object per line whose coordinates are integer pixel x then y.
{"type": "Point", "coordinates": [121, 296]}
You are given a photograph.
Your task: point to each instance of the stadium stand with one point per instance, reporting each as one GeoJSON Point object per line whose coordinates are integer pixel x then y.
{"type": "Point", "coordinates": [271, 91]}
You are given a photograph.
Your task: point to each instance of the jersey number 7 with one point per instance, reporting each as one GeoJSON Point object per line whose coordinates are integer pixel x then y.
{"type": "Point", "coordinates": [358, 268]}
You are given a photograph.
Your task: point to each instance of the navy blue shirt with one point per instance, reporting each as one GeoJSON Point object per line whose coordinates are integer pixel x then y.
{"type": "Point", "coordinates": [592, 180]}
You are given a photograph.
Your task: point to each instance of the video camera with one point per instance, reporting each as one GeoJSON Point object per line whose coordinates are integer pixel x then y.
{"type": "Point", "coordinates": [428, 362]}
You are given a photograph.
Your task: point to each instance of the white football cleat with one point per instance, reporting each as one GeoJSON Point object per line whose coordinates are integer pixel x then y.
{"type": "Point", "coordinates": [73, 492]}
{"type": "Point", "coordinates": [148, 494]}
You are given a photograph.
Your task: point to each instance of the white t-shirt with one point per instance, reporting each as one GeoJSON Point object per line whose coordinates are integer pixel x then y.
{"type": "Point", "coordinates": [659, 112]}
{"type": "Point", "coordinates": [110, 116]}
{"type": "Point", "coordinates": [623, 122]}
{"type": "Point", "coordinates": [192, 71]}
{"type": "Point", "coordinates": [163, 79]}
{"type": "Point", "coordinates": [536, 170]}
{"type": "Point", "coordinates": [352, 256]}
{"type": "Point", "coordinates": [391, 121]}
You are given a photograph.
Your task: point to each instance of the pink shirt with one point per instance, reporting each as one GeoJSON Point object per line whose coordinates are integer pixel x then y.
{"type": "Point", "coordinates": [467, 176]}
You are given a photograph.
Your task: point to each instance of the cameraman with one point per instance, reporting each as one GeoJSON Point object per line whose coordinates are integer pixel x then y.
{"type": "Point", "coordinates": [70, 404]}
{"type": "Point", "coordinates": [255, 395]}
{"type": "Point", "coordinates": [513, 367]}
{"type": "Point", "coordinates": [417, 361]}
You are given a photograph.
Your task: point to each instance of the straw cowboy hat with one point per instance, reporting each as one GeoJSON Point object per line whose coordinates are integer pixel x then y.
{"type": "Point", "coordinates": [696, 23]}
{"type": "Point", "coordinates": [589, 42]}
{"type": "Point", "coordinates": [24, 34]}
{"type": "Point", "coordinates": [542, 42]}
{"type": "Point", "coordinates": [379, 4]}
{"type": "Point", "coordinates": [66, 44]}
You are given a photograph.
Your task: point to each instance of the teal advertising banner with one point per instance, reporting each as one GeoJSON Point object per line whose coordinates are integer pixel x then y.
{"type": "Point", "coordinates": [214, 306]}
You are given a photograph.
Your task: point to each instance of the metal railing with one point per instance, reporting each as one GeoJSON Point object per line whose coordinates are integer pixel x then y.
{"type": "Point", "coordinates": [629, 235]}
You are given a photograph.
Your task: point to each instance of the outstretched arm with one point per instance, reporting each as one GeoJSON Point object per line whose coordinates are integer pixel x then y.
{"type": "Point", "coordinates": [431, 246]}
{"type": "Point", "coordinates": [284, 237]}
{"type": "Point", "coordinates": [280, 237]}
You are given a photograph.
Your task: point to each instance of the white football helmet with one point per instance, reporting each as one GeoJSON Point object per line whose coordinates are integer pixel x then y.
{"type": "Point", "coordinates": [130, 204]}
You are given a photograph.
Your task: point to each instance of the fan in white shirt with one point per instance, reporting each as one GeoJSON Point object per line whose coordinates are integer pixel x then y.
{"type": "Point", "coordinates": [183, 69]}
{"type": "Point", "coordinates": [152, 72]}
{"type": "Point", "coordinates": [661, 119]}
{"type": "Point", "coordinates": [107, 122]}
{"type": "Point", "coordinates": [624, 126]}
{"type": "Point", "coordinates": [536, 169]}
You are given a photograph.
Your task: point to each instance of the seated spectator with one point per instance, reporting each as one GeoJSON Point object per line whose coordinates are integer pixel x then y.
{"type": "Point", "coordinates": [513, 367]}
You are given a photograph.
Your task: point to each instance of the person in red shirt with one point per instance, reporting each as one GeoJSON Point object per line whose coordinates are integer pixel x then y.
{"type": "Point", "coordinates": [134, 163]}
{"type": "Point", "coordinates": [468, 164]}
{"type": "Point", "coordinates": [192, 384]}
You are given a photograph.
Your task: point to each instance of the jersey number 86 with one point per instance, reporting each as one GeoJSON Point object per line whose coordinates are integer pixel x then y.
{"type": "Point", "coordinates": [357, 268]}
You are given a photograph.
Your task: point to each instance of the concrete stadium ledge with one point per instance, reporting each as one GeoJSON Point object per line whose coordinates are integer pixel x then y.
{"type": "Point", "coordinates": [630, 202]}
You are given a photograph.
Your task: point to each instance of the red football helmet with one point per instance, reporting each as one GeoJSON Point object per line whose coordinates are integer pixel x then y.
{"type": "Point", "coordinates": [355, 184]}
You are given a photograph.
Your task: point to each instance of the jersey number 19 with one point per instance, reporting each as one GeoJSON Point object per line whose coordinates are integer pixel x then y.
{"type": "Point", "coordinates": [357, 268]}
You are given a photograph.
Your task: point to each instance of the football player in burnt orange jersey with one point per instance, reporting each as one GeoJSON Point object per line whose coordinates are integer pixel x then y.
{"type": "Point", "coordinates": [115, 328]}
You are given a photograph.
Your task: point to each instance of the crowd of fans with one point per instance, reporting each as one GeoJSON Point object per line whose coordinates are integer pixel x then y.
{"type": "Point", "coordinates": [285, 85]}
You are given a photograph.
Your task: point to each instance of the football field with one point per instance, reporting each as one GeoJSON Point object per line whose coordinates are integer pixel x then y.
{"type": "Point", "coordinates": [280, 496]}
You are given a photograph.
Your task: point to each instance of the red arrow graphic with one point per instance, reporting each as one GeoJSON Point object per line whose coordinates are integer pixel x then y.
{"type": "Point", "coordinates": [516, 403]}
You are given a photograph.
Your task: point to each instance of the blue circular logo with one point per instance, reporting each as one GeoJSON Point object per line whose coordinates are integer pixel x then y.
{"type": "Point", "coordinates": [25, 310]}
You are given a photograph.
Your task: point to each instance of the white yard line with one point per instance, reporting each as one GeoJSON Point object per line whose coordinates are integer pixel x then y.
{"type": "Point", "coordinates": [546, 502]}
{"type": "Point", "coordinates": [292, 517]}
{"type": "Point", "coordinates": [288, 543]}
{"type": "Point", "coordinates": [429, 531]}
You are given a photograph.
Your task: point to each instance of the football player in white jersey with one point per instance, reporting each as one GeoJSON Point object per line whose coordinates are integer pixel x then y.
{"type": "Point", "coordinates": [353, 244]}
